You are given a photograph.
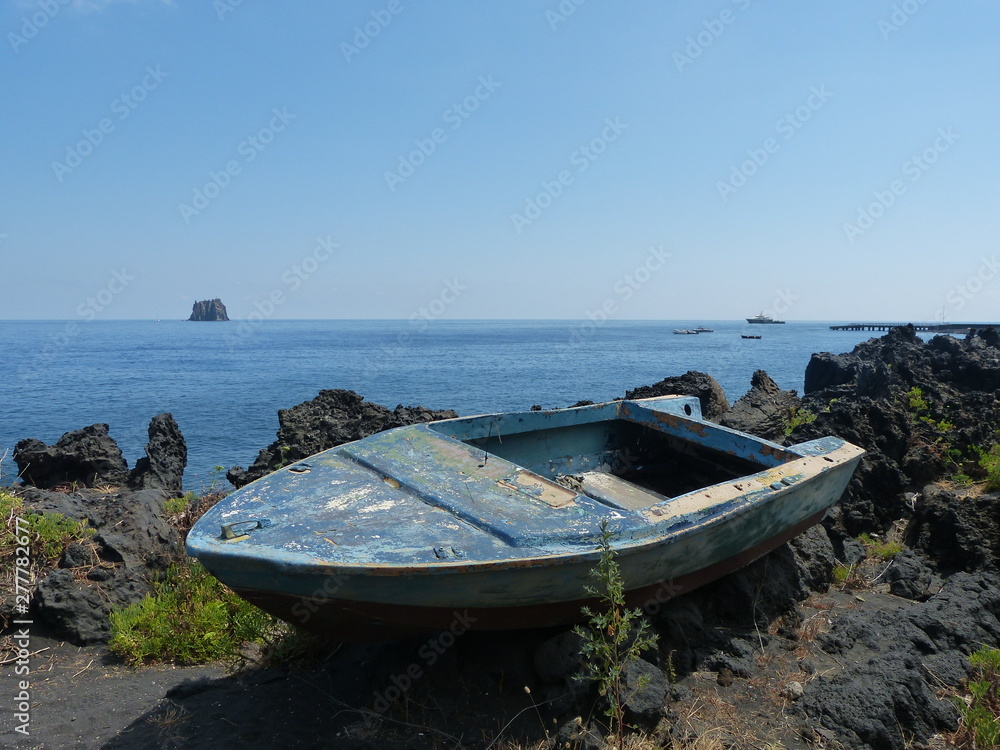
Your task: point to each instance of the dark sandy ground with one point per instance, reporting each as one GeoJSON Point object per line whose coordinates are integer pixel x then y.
{"type": "Point", "coordinates": [86, 698]}
{"type": "Point", "coordinates": [83, 697]}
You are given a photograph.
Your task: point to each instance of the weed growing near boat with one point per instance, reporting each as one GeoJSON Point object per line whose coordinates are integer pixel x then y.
{"type": "Point", "coordinates": [189, 618]}
{"type": "Point", "coordinates": [177, 505]}
{"type": "Point", "coordinates": [614, 636]}
{"type": "Point", "coordinates": [979, 727]}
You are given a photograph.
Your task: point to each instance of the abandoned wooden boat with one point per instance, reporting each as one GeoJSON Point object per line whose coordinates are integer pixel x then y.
{"type": "Point", "coordinates": [495, 521]}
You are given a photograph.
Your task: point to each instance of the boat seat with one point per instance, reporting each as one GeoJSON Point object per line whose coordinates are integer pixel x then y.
{"type": "Point", "coordinates": [617, 492]}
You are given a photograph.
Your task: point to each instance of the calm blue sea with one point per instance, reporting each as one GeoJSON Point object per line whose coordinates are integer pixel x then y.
{"type": "Point", "coordinates": [224, 382]}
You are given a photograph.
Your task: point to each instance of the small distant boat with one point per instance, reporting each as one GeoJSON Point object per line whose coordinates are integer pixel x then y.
{"type": "Point", "coordinates": [498, 519]}
{"type": "Point", "coordinates": [745, 336]}
{"type": "Point", "coordinates": [686, 331]}
{"type": "Point", "coordinates": [761, 318]}
{"type": "Point", "coordinates": [702, 329]}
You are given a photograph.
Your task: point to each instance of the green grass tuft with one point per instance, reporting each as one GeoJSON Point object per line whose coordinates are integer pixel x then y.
{"type": "Point", "coordinates": [878, 548]}
{"type": "Point", "coordinates": [990, 463]}
{"type": "Point", "coordinates": [797, 418]}
{"type": "Point", "coordinates": [979, 727]}
{"type": "Point", "coordinates": [48, 533]}
{"type": "Point", "coordinates": [189, 618]}
{"type": "Point", "coordinates": [841, 573]}
{"type": "Point", "coordinates": [917, 403]}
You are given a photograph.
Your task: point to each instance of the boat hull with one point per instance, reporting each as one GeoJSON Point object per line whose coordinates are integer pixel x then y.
{"type": "Point", "coordinates": [374, 622]}
{"type": "Point", "coordinates": [429, 527]}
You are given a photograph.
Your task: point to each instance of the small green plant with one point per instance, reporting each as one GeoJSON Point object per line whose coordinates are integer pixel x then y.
{"type": "Point", "coordinates": [283, 456]}
{"type": "Point", "coordinates": [614, 636]}
{"type": "Point", "coordinates": [798, 417]}
{"type": "Point", "coordinates": [880, 549]}
{"type": "Point", "coordinates": [177, 505]}
{"type": "Point", "coordinates": [990, 463]}
{"type": "Point", "coordinates": [917, 403]}
{"type": "Point", "coordinates": [189, 618]}
{"type": "Point", "coordinates": [216, 479]}
{"type": "Point", "coordinates": [841, 573]}
{"type": "Point", "coordinates": [49, 533]}
{"type": "Point", "coordinates": [979, 725]}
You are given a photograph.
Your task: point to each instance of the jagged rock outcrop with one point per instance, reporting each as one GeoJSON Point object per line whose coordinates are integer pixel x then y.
{"type": "Point", "coordinates": [209, 310]}
{"type": "Point", "coordinates": [692, 383]}
{"type": "Point", "coordinates": [131, 541]}
{"type": "Point", "coordinates": [332, 418]}
{"type": "Point", "coordinates": [764, 410]}
{"type": "Point", "coordinates": [91, 458]}
{"type": "Point", "coordinates": [87, 457]}
{"type": "Point", "coordinates": [884, 697]}
{"type": "Point", "coordinates": [919, 408]}
{"type": "Point", "coordinates": [162, 468]}
{"type": "Point", "coordinates": [958, 530]}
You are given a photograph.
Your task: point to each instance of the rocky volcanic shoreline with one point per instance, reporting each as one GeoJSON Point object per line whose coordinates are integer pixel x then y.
{"type": "Point", "coordinates": [783, 651]}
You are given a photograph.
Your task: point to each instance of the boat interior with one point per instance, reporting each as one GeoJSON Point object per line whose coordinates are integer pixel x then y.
{"type": "Point", "coordinates": [623, 463]}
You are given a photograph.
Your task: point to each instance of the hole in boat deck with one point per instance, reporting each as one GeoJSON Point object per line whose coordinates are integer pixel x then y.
{"type": "Point", "coordinates": [640, 465]}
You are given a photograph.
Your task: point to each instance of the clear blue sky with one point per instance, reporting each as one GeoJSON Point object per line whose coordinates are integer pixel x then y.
{"type": "Point", "coordinates": [681, 160]}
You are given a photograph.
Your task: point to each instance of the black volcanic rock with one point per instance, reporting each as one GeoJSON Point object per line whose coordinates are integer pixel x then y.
{"type": "Point", "coordinates": [764, 410]}
{"type": "Point", "coordinates": [132, 542]}
{"type": "Point", "coordinates": [692, 383]}
{"type": "Point", "coordinates": [826, 369]}
{"type": "Point", "coordinates": [88, 457]}
{"type": "Point", "coordinates": [885, 693]}
{"type": "Point", "coordinates": [162, 468]}
{"type": "Point", "coordinates": [957, 530]}
{"type": "Point", "coordinates": [209, 310]}
{"type": "Point", "coordinates": [332, 418]}
{"type": "Point", "coordinates": [915, 406]}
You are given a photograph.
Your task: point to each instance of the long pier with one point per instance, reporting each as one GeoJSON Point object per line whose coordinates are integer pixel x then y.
{"type": "Point", "coordinates": [933, 328]}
